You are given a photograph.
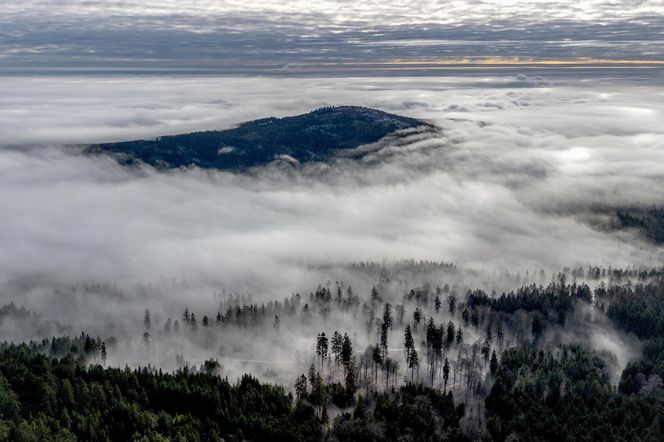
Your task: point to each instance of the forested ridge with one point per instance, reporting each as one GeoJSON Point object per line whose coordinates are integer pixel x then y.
{"type": "Point", "coordinates": [427, 362]}
{"type": "Point", "coordinates": [316, 135]}
{"type": "Point", "coordinates": [43, 398]}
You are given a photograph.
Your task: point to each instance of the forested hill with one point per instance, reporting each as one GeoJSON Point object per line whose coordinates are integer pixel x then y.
{"type": "Point", "coordinates": [308, 137]}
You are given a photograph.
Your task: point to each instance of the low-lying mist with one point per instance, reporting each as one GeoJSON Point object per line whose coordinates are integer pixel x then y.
{"type": "Point", "coordinates": [518, 176]}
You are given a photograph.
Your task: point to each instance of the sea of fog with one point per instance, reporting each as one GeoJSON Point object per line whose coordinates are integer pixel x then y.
{"type": "Point", "coordinates": [518, 177]}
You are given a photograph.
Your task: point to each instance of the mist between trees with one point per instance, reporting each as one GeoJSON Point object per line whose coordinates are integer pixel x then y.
{"type": "Point", "coordinates": [417, 324]}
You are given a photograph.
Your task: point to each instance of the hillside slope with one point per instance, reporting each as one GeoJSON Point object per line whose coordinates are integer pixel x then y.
{"type": "Point", "coordinates": [313, 136]}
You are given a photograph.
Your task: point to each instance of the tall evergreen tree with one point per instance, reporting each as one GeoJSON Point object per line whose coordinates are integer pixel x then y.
{"type": "Point", "coordinates": [408, 342]}
{"type": "Point", "coordinates": [413, 363]}
{"type": "Point", "coordinates": [493, 364]}
{"type": "Point", "coordinates": [446, 374]}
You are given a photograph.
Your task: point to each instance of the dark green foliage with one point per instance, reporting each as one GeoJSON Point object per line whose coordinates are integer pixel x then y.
{"type": "Point", "coordinates": [493, 364]}
{"type": "Point", "coordinates": [316, 135]}
{"type": "Point", "coordinates": [645, 375]}
{"type": "Point", "coordinates": [540, 392]}
{"type": "Point", "coordinates": [47, 399]}
{"type": "Point", "coordinates": [412, 413]}
{"type": "Point", "coordinates": [553, 302]}
{"type": "Point", "coordinates": [565, 396]}
{"type": "Point", "coordinates": [338, 395]}
{"type": "Point", "coordinates": [650, 221]}
{"type": "Point", "coordinates": [638, 309]}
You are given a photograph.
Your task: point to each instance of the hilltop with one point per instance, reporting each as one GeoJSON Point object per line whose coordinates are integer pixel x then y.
{"type": "Point", "coordinates": [313, 136]}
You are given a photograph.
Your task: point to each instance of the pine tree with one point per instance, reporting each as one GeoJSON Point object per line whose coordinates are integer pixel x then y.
{"type": "Point", "coordinates": [377, 358]}
{"type": "Point", "coordinates": [306, 313]}
{"type": "Point", "coordinates": [450, 334]}
{"type": "Point", "coordinates": [466, 316]}
{"type": "Point", "coordinates": [301, 388]}
{"type": "Point", "coordinates": [486, 351]}
{"type": "Point", "coordinates": [313, 375]}
{"type": "Point", "coordinates": [103, 353]}
{"type": "Point", "coordinates": [451, 302]}
{"type": "Point", "coordinates": [322, 348]}
{"type": "Point", "coordinates": [417, 318]}
{"type": "Point", "coordinates": [147, 322]}
{"type": "Point", "coordinates": [499, 334]}
{"type": "Point", "coordinates": [413, 363]}
{"type": "Point", "coordinates": [537, 327]}
{"type": "Point", "coordinates": [324, 417]}
{"type": "Point", "coordinates": [337, 340]}
{"type": "Point", "coordinates": [192, 322]}
{"type": "Point", "coordinates": [493, 365]}
{"type": "Point", "coordinates": [459, 336]}
{"type": "Point", "coordinates": [384, 339]}
{"type": "Point", "coordinates": [350, 380]}
{"type": "Point", "coordinates": [346, 352]}
{"type": "Point", "coordinates": [375, 297]}
{"type": "Point", "coordinates": [408, 342]}
{"type": "Point", "coordinates": [387, 315]}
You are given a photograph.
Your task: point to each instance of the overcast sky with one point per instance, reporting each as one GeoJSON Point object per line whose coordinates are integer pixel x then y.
{"type": "Point", "coordinates": [293, 37]}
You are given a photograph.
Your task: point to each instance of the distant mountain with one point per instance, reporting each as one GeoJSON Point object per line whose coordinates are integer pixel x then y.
{"type": "Point", "coordinates": [312, 136]}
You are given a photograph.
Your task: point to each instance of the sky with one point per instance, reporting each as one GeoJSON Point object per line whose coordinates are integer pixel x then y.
{"type": "Point", "coordinates": [326, 37]}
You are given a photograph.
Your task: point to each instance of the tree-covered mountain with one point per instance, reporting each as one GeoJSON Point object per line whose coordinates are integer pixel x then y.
{"type": "Point", "coordinates": [312, 136]}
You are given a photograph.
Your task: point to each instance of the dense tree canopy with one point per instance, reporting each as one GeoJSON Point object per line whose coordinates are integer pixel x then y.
{"type": "Point", "coordinates": [316, 135]}
{"type": "Point", "coordinates": [429, 363]}
{"type": "Point", "coordinates": [49, 399]}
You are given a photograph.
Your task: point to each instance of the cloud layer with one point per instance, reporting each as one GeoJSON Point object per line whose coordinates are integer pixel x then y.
{"type": "Point", "coordinates": [325, 36]}
{"type": "Point", "coordinates": [504, 184]}
{"type": "Point", "coordinates": [509, 182]}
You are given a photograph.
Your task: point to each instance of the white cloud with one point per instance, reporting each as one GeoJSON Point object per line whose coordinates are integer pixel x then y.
{"type": "Point", "coordinates": [505, 184]}
{"type": "Point", "coordinates": [342, 12]}
{"type": "Point", "coordinates": [497, 194]}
